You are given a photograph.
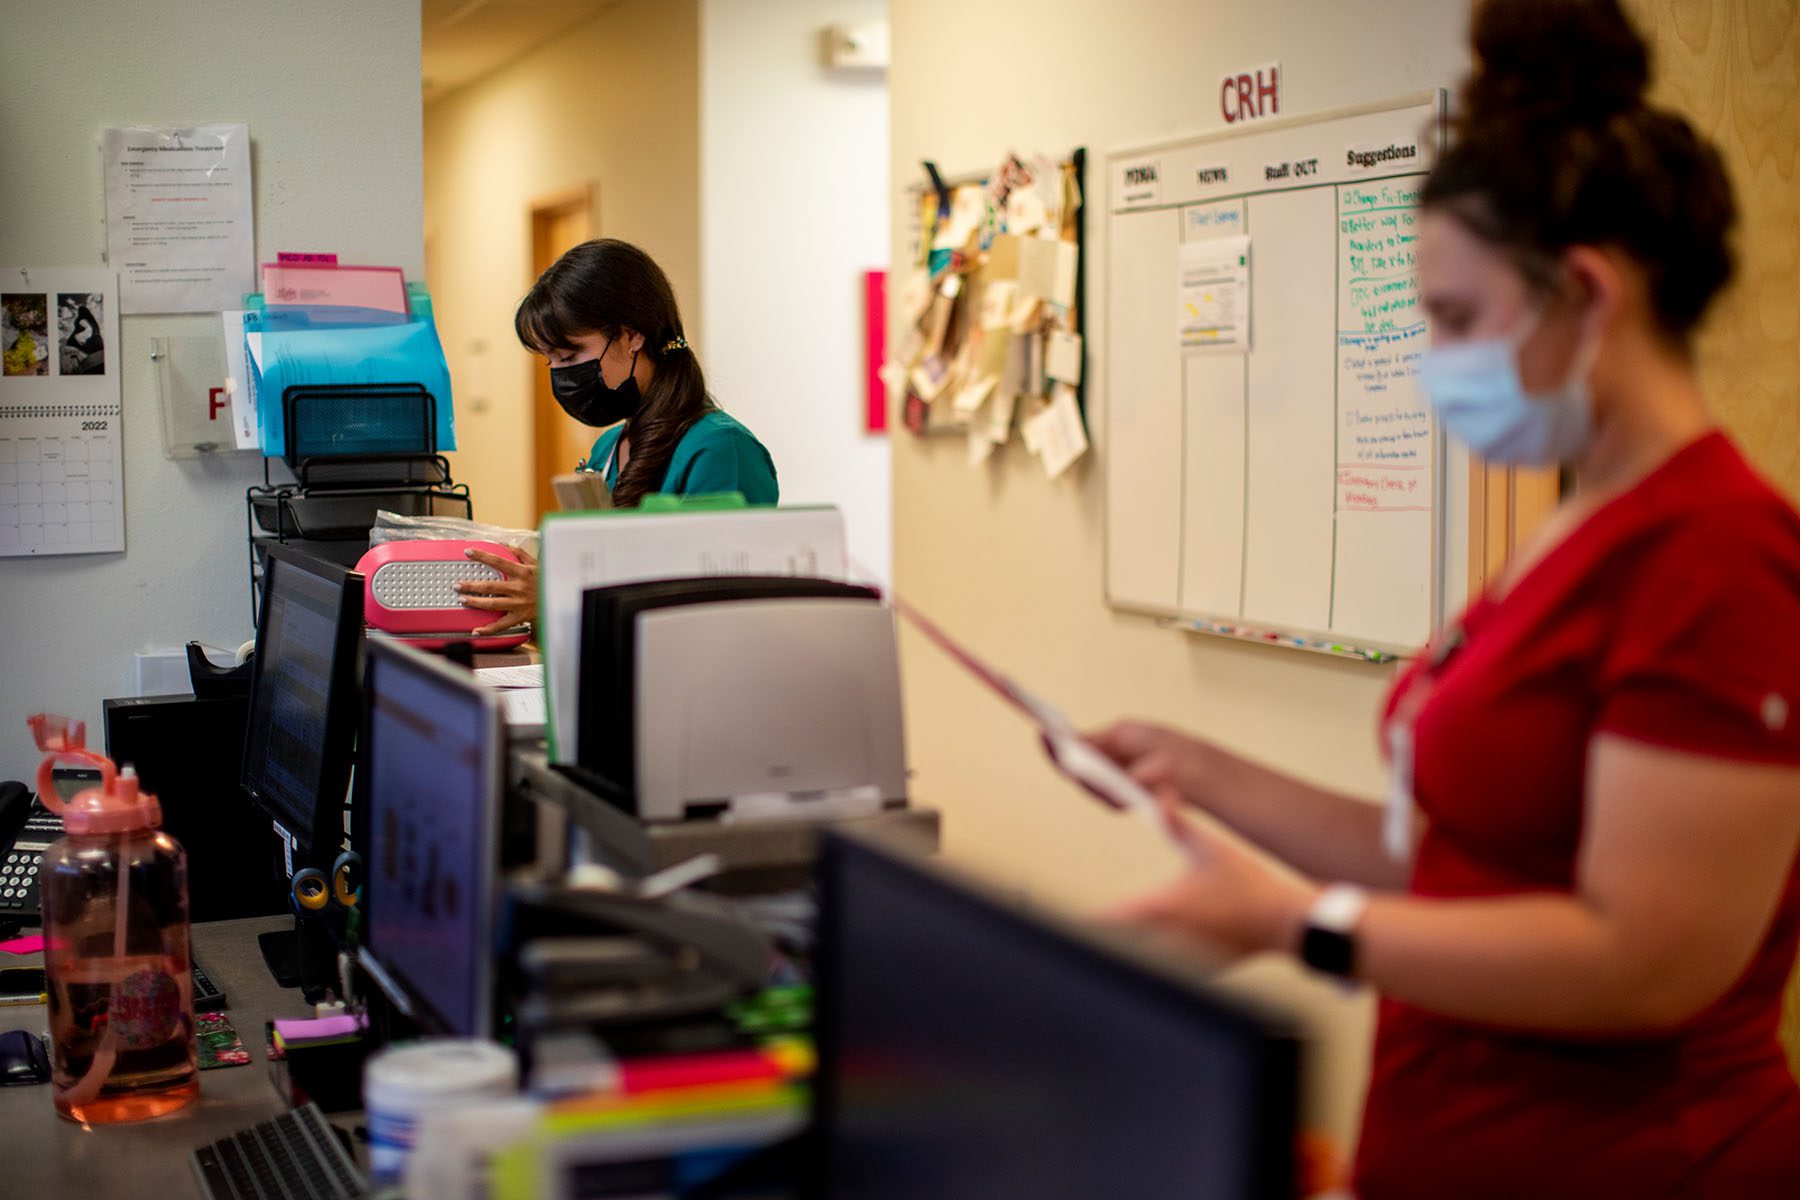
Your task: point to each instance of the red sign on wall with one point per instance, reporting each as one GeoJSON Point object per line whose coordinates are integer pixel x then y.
{"type": "Point", "coordinates": [1251, 95]}
{"type": "Point", "coordinates": [875, 343]}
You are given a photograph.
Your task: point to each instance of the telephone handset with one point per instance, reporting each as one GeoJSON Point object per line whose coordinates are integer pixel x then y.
{"type": "Point", "coordinates": [26, 830]}
{"type": "Point", "coordinates": [15, 806]}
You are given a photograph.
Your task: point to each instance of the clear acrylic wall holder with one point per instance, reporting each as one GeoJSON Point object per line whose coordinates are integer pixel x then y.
{"type": "Point", "coordinates": [190, 383]}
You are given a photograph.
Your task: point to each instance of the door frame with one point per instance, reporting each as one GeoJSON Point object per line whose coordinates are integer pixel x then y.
{"type": "Point", "coordinates": [545, 461]}
{"type": "Point", "coordinates": [1507, 505]}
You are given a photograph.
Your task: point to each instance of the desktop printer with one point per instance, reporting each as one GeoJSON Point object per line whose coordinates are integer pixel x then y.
{"type": "Point", "coordinates": [744, 698]}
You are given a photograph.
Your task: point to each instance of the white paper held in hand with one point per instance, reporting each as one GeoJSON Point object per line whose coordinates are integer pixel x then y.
{"type": "Point", "coordinates": [1074, 755]}
{"type": "Point", "coordinates": [1077, 758]}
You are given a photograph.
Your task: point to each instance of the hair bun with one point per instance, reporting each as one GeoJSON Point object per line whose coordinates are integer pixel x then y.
{"type": "Point", "coordinates": [1570, 61]}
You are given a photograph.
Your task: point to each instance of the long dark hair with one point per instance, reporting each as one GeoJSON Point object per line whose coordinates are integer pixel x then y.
{"type": "Point", "coordinates": [604, 287]}
{"type": "Point", "coordinates": [1556, 147]}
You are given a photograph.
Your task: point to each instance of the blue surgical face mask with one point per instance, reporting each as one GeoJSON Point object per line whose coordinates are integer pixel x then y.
{"type": "Point", "coordinates": [1476, 391]}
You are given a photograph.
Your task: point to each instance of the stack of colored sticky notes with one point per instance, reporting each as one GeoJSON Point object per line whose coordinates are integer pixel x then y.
{"type": "Point", "coordinates": [778, 1063]}
{"type": "Point", "coordinates": [318, 1031]}
{"type": "Point", "coordinates": [698, 1113]}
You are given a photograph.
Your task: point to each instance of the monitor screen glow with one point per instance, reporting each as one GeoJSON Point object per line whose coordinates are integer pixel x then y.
{"type": "Point", "coordinates": [302, 719]}
{"type": "Point", "coordinates": [432, 791]}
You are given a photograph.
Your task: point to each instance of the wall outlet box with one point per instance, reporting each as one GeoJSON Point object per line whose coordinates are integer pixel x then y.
{"type": "Point", "coordinates": [856, 49]}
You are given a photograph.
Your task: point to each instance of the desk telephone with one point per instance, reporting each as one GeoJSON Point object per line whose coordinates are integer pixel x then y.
{"type": "Point", "coordinates": [26, 830]}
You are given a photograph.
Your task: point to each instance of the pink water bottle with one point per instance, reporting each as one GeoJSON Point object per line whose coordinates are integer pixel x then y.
{"type": "Point", "coordinates": [114, 893]}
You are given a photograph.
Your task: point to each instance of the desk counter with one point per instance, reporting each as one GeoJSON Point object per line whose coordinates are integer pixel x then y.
{"type": "Point", "coordinates": [46, 1156]}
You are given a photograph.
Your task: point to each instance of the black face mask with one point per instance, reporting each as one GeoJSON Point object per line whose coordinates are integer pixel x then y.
{"type": "Point", "coordinates": [583, 394]}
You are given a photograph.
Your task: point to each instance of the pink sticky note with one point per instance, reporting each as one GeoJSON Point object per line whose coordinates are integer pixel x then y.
{"type": "Point", "coordinates": [24, 945]}
{"type": "Point", "coordinates": [318, 1029]}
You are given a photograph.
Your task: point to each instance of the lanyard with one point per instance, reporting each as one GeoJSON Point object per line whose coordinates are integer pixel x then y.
{"type": "Point", "coordinates": [1402, 800]}
{"type": "Point", "coordinates": [605, 468]}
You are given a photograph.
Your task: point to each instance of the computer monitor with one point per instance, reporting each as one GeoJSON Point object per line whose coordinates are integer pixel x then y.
{"type": "Point", "coordinates": [430, 788]}
{"type": "Point", "coordinates": [971, 1048]}
{"type": "Point", "coordinates": [233, 856]}
{"type": "Point", "coordinates": [301, 733]}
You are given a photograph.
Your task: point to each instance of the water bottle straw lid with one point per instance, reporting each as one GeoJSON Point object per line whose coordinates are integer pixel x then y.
{"type": "Point", "coordinates": [116, 806]}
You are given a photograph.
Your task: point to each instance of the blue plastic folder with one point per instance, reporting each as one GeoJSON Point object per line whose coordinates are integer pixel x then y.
{"type": "Point", "coordinates": [302, 347]}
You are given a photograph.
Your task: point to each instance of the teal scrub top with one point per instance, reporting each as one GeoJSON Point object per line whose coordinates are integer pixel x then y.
{"type": "Point", "coordinates": [716, 454]}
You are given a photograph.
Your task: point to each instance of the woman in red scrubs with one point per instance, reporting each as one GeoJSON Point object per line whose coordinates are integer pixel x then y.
{"type": "Point", "coordinates": [1580, 907]}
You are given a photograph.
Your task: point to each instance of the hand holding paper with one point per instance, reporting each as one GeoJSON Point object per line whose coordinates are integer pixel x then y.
{"type": "Point", "coordinates": [1073, 754]}
{"type": "Point", "coordinates": [1077, 758]}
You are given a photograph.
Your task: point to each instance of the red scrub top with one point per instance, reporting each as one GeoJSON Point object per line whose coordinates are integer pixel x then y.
{"type": "Point", "coordinates": [1671, 617]}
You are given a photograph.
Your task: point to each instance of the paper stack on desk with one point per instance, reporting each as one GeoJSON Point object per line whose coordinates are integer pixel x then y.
{"type": "Point", "coordinates": [521, 696]}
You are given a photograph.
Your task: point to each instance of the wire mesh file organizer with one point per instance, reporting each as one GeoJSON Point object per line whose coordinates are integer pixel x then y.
{"type": "Point", "coordinates": [353, 450]}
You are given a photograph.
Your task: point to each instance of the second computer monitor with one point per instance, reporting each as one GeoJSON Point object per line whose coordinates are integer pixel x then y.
{"type": "Point", "coordinates": [969, 1049]}
{"type": "Point", "coordinates": [430, 788]}
{"type": "Point", "coordinates": [301, 731]}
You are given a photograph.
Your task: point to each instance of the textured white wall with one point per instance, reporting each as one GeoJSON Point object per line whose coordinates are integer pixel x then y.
{"type": "Point", "coordinates": [330, 90]}
{"type": "Point", "coordinates": [1014, 563]}
{"type": "Point", "coordinates": [793, 208]}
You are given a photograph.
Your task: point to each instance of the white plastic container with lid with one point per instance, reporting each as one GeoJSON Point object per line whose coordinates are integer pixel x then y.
{"type": "Point", "coordinates": [401, 1083]}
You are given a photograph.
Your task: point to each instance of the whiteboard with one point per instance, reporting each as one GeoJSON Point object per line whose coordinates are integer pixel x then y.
{"type": "Point", "coordinates": [1272, 468]}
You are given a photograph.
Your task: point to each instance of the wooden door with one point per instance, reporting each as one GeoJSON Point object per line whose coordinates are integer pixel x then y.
{"type": "Point", "coordinates": [559, 441]}
{"type": "Point", "coordinates": [1507, 505]}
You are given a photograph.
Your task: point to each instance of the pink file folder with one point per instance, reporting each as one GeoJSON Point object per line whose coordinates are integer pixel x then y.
{"type": "Point", "coordinates": [322, 286]}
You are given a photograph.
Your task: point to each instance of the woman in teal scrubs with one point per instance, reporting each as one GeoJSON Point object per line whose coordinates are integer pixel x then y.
{"type": "Point", "coordinates": [604, 316]}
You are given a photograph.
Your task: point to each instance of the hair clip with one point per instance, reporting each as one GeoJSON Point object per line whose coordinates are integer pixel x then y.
{"type": "Point", "coordinates": [679, 343]}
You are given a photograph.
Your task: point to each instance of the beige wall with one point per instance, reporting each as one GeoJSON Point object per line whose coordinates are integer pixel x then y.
{"type": "Point", "coordinates": [613, 104]}
{"type": "Point", "coordinates": [1013, 562]}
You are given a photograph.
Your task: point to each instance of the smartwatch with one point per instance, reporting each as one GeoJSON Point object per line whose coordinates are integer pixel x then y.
{"type": "Point", "coordinates": [1328, 940]}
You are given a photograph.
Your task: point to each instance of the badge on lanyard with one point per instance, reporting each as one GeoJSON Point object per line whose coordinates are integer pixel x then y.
{"type": "Point", "coordinates": [592, 489]}
{"type": "Point", "coordinates": [1402, 802]}
{"type": "Point", "coordinates": [1397, 822]}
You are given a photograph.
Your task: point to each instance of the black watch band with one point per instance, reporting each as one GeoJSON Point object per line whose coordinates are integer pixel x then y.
{"type": "Point", "coordinates": [1328, 942]}
{"type": "Point", "coordinates": [1329, 951]}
